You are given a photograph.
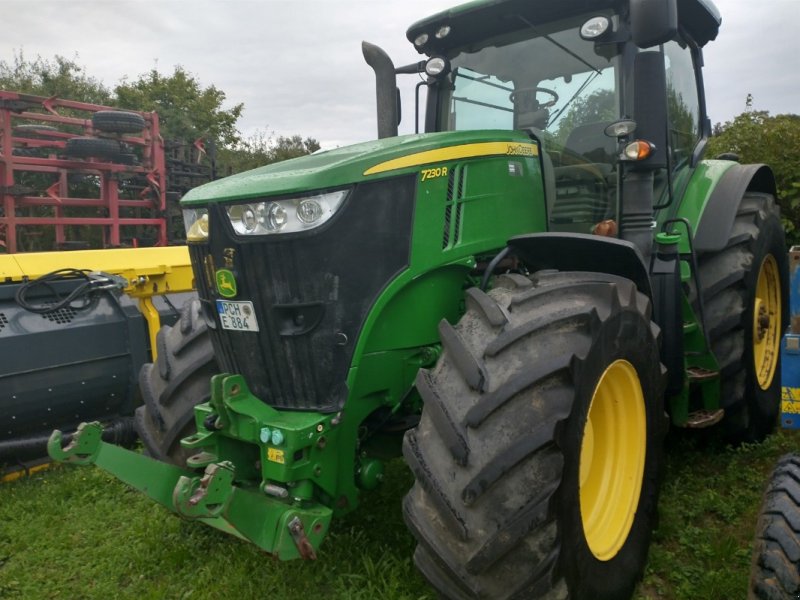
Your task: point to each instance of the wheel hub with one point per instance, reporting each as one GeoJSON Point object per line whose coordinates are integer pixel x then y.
{"type": "Point", "coordinates": [763, 321]}
{"type": "Point", "coordinates": [766, 322]}
{"type": "Point", "coordinates": [613, 450]}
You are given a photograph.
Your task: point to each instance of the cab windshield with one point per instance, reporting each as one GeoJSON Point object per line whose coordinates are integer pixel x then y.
{"type": "Point", "coordinates": [563, 89]}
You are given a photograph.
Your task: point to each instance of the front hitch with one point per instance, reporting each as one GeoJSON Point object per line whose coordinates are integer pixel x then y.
{"type": "Point", "coordinates": [286, 528]}
{"type": "Point", "coordinates": [82, 449]}
{"type": "Point", "coordinates": [208, 496]}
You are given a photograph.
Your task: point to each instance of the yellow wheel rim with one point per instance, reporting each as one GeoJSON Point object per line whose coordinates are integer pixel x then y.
{"type": "Point", "coordinates": [766, 322]}
{"type": "Point", "coordinates": [612, 459]}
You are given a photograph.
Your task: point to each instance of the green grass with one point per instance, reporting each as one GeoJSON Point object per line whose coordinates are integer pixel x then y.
{"type": "Point", "coordinates": [74, 532]}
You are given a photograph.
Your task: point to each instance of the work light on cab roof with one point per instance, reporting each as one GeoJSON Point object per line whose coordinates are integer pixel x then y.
{"type": "Point", "coordinates": [595, 27]}
{"type": "Point", "coordinates": [436, 66]}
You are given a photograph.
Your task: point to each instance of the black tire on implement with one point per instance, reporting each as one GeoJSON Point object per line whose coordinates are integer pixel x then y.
{"type": "Point", "coordinates": [127, 158]}
{"type": "Point", "coordinates": [32, 130]}
{"type": "Point", "coordinates": [775, 574]}
{"type": "Point", "coordinates": [729, 279]}
{"type": "Point", "coordinates": [117, 121]}
{"type": "Point", "coordinates": [496, 506]}
{"type": "Point", "coordinates": [174, 384]}
{"type": "Point", "coordinates": [88, 147]}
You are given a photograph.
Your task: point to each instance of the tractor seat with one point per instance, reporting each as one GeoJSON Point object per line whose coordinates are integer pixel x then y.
{"type": "Point", "coordinates": [584, 183]}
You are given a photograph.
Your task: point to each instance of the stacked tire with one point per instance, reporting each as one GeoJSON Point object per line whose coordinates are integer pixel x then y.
{"type": "Point", "coordinates": [112, 148]}
{"type": "Point", "coordinates": [37, 132]}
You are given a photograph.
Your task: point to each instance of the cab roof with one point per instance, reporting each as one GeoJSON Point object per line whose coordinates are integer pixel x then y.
{"type": "Point", "coordinates": [483, 19]}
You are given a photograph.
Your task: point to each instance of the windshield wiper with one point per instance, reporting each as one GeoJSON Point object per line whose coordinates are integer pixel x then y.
{"type": "Point", "coordinates": [557, 44]}
{"type": "Point", "coordinates": [584, 85]}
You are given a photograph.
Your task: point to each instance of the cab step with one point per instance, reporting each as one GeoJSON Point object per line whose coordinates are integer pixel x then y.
{"type": "Point", "coordinates": [700, 419]}
{"type": "Point", "coordinates": [700, 375]}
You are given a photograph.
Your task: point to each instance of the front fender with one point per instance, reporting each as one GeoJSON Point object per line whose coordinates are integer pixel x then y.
{"type": "Point", "coordinates": [582, 252]}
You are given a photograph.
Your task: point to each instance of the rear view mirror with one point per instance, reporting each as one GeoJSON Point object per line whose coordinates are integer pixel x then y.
{"type": "Point", "coordinates": [653, 22]}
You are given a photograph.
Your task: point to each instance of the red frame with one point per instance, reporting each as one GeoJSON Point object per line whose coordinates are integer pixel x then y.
{"type": "Point", "coordinates": [17, 109]}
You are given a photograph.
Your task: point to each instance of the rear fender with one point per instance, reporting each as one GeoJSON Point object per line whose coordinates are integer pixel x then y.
{"type": "Point", "coordinates": [716, 221]}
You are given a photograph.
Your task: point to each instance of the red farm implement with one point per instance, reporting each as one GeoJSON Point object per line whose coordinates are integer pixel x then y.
{"type": "Point", "coordinates": [78, 175]}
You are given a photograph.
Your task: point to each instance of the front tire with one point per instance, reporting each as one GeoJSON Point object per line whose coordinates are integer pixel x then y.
{"type": "Point", "coordinates": [538, 454]}
{"type": "Point", "coordinates": [172, 386]}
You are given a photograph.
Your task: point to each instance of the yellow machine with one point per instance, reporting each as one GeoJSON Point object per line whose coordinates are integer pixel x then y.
{"type": "Point", "coordinates": [75, 329]}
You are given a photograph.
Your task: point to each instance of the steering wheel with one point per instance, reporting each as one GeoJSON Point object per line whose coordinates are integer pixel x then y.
{"type": "Point", "coordinates": [553, 95]}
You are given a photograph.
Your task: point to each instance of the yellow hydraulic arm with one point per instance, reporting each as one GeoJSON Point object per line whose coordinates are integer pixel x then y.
{"type": "Point", "coordinates": [148, 271]}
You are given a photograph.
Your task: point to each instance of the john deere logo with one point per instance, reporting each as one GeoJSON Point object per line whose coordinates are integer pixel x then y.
{"type": "Point", "coordinates": [226, 283]}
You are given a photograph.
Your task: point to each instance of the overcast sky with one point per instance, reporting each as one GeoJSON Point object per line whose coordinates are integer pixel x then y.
{"type": "Point", "coordinates": [297, 65]}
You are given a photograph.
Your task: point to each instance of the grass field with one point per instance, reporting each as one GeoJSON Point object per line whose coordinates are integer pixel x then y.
{"type": "Point", "coordinates": [74, 532]}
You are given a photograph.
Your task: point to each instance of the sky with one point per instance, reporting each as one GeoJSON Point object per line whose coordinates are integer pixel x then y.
{"type": "Point", "coordinates": [297, 65]}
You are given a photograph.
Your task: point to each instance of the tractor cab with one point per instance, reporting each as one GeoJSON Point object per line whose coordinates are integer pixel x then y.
{"type": "Point", "coordinates": [569, 73]}
{"type": "Point", "coordinates": [560, 86]}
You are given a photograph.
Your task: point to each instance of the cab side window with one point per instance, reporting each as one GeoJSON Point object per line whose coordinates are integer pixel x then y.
{"type": "Point", "coordinates": [683, 103]}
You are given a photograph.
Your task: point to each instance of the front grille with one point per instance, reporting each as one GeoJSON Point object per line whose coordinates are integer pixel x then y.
{"type": "Point", "coordinates": [311, 293]}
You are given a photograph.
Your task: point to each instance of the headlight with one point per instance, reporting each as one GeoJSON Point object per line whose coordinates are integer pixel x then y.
{"type": "Point", "coordinates": [196, 222]}
{"type": "Point", "coordinates": [284, 216]}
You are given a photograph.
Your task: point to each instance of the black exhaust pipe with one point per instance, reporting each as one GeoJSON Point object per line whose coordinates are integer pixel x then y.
{"type": "Point", "coordinates": [385, 89]}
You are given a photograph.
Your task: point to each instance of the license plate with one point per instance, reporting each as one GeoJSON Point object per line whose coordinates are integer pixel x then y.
{"type": "Point", "coordinates": [237, 316]}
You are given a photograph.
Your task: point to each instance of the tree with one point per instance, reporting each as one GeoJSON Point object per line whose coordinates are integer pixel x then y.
{"type": "Point", "coordinates": [757, 137]}
{"type": "Point", "coordinates": [262, 149]}
{"type": "Point", "coordinates": [62, 77]}
{"type": "Point", "coordinates": [285, 148]}
{"type": "Point", "coordinates": [185, 108]}
{"type": "Point", "coordinates": [596, 107]}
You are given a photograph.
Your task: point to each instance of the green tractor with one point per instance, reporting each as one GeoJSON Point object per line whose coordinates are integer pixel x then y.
{"type": "Point", "coordinates": [518, 300]}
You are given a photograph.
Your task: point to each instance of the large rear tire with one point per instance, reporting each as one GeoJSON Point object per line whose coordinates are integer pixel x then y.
{"type": "Point", "coordinates": [745, 295]}
{"type": "Point", "coordinates": [538, 454]}
{"type": "Point", "coordinates": [174, 384]}
{"type": "Point", "coordinates": [775, 573]}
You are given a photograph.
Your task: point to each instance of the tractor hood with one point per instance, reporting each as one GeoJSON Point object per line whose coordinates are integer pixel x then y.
{"type": "Point", "coordinates": [367, 161]}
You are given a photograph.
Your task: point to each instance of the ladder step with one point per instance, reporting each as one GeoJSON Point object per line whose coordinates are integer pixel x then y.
{"type": "Point", "coordinates": [704, 418]}
{"type": "Point", "coordinates": [699, 374]}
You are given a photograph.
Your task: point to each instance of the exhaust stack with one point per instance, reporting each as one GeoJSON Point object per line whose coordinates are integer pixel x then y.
{"type": "Point", "coordinates": [385, 89]}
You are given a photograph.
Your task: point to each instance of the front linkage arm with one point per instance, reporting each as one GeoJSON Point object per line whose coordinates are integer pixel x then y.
{"type": "Point", "coordinates": [286, 528]}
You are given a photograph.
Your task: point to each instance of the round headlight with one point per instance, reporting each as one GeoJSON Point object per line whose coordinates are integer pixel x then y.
{"type": "Point", "coordinates": [435, 66]}
{"type": "Point", "coordinates": [620, 128]}
{"type": "Point", "coordinates": [443, 31]}
{"type": "Point", "coordinates": [309, 211]}
{"type": "Point", "coordinates": [276, 216]}
{"type": "Point", "coordinates": [595, 27]}
{"type": "Point", "coordinates": [422, 38]}
{"type": "Point", "coordinates": [249, 219]}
